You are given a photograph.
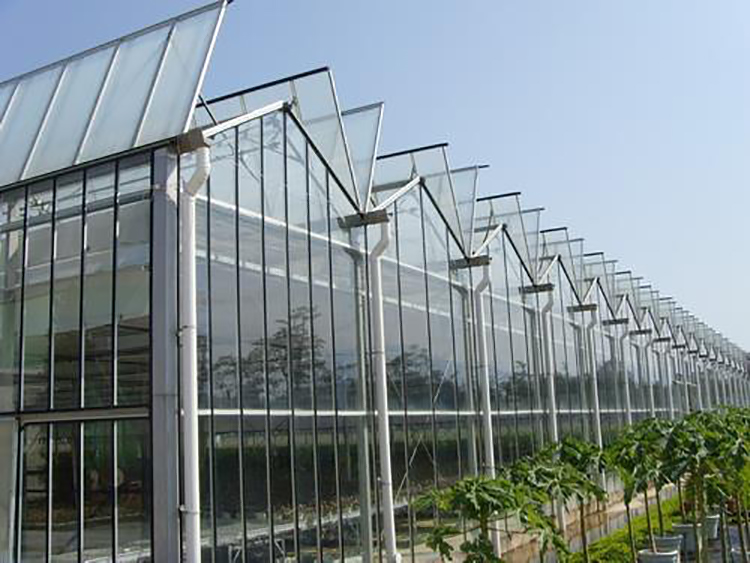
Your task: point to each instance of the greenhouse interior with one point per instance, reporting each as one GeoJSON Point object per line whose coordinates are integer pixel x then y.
{"type": "Point", "coordinates": [232, 329]}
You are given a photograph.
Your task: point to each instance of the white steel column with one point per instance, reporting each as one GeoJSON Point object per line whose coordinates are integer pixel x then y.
{"type": "Point", "coordinates": [381, 393]}
{"type": "Point", "coordinates": [668, 369]}
{"type": "Point", "coordinates": [650, 371]}
{"type": "Point", "coordinates": [624, 372]}
{"type": "Point", "coordinates": [165, 470]}
{"type": "Point", "coordinates": [483, 370]}
{"type": "Point", "coordinates": [697, 377]}
{"type": "Point", "coordinates": [590, 337]}
{"type": "Point", "coordinates": [549, 364]}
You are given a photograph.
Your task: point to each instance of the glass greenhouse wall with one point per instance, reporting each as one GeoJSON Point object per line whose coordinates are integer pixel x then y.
{"type": "Point", "coordinates": [480, 307]}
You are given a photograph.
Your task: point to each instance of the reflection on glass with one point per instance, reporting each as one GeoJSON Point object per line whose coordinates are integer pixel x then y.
{"type": "Point", "coordinates": [12, 211]}
{"type": "Point", "coordinates": [98, 491]}
{"type": "Point", "coordinates": [65, 485]}
{"type": "Point", "coordinates": [34, 499]}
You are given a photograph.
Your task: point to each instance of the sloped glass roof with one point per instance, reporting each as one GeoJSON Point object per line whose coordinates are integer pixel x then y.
{"type": "Point", "coordinates": [466, 184]}
{"type": "Point", "coordinates": [315, 104]}
{"type": "Point", "coordinates": [127, 93]}
{"type": "Point", "coordinates": [494, 211]}
{"type": "Point", "coordinates": [431, 164]}
{"type": "Point", "coordinates": [557, 241]}
{"type": "Point", "coordinates": [596, 266]}
{"type": "Point", "coordinates": [362, 126]}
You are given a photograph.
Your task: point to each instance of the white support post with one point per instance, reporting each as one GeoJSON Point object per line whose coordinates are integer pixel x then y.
{"type": "Point", "coordinates": [650, 371]}
{"type": "Point", "coordinates": [668, 368]}
{"type": "Point", "coordinates": [623, 371]}
{"type": "Point", "coordinates": [590, 330]}
{"type": "Point", "coordinates": [549, 364]}
{"type": "Point", "coordinates": [165, 471]}
{"type": "Point", "coordinates": [483, 370]}
{"type": "Point", "coordinates": [381, 394]}
{"type": "Point", "coordinates": [697, 378]}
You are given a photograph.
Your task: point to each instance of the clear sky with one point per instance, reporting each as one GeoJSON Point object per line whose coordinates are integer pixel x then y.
{"type": "Point", "coordinates": [628, 120]}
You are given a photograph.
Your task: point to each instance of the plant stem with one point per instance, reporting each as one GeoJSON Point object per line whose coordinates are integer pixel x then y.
{"type": "Point", "coordinates": [584, 541]}
{"type": "Point", "coordinates": [630, 532]}
{"type": "Point", "coordinates": [743, 545]}
{"type": "Point", "coordinates": [659, 511]}
{"type": "Point", "coordinates": [649, 526]}
{"type": "Point", "coordinates": [696, 535]}
{"type": "Point", "coordinates": [679, 496]}
{"type": "Point", "coordinates": [723, 531]}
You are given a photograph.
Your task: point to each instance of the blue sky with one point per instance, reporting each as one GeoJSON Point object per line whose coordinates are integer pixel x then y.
{"type": "Point", "coordinates": [629, 121]}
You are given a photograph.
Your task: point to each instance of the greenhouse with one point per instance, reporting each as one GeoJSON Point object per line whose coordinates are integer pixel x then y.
{"type": "Point", "coordinates": [232, 329]}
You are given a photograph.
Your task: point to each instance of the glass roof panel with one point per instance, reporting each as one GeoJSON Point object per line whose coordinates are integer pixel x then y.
{"type": "Point", "coordinates": [531, 222]}
{"type": "Point", "coordinates": [504, 209]}
{"type": "Point", "coordinates": [315, 105]}
{"type": "Point", "coordinates": [22, 121]}
{"type": "Point", "coordinates": [125, 94]}
{"type": "Point", "coordinates": [465, 183]}
{"type": "Point", "coordinates": [6, 92]}
{"type": "Point", "coordinates": [362, 126]}
{"type": "Point", "coordinates": [95, 103]}
{"type": "Point", "coordinates": [69, 115]}
{"type": "Point", "coordinates": [431, 164]}
{"type": "Point", "coordinates": [169, 109]}
{"type": "Point", "coordinates": [558, 242]}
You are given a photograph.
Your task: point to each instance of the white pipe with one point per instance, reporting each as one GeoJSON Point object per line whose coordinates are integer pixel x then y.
{"type": "Point", "coordinates": [484, 381]}
{"type": "Point", "coordinates": [594, 379]}
{"type": "Point", "coordinates": [669, 369]}
{"type": "Point", "coordinates": [189, 359]}
{"type": "Point", "coordinates": [624, 373]}
{"type": "Point", "coordinates": [546, 314]}
{"type": "Point", "coordinates": [381, 393]}
{"type": "Point", "coordinates": [698, 381]}
{"type": "Point", "coordinates": [650, 373]}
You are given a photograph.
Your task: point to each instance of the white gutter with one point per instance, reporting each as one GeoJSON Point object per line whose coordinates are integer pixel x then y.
{"type": "Point", "coordinates": [484, 382]}
{"type": "Point", "coordinates": [381, 393]}
{"type": "Point", "coordinates": [189, 358]}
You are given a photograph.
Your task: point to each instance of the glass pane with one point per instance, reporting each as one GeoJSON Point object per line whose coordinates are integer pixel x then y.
{"type": "Point", "coordinates": [6, 92]}
{"type": "Point", "coordinates": [22, 121]}
{"type": "Point", "coordinates": [34, 500]}
{"type": "Point", "coordinates": [12, 206]}
{"type": "Point", "coordinates": [98, 491]}
{"type": "Point", "coordinates": [133, 489]}
{"type": "Point", "coordinates": [97, 306]}
{"type": "Point", "coordinates": [123, 100]}
{"type": "Point", "coordinates": [8, 443]}
{"type": "Point", "coordinates": [66, 475]}
{"type": "Point", "coordinates": [116, 89]}
{"type": "Point", "coordinates": [37, 297]}
{"type": "Point", "coordinates": [465, 185]}
{"type": "Point", "coordinates": [133, 281]}
{"type": "Point", "coordinates": [179, 79]}
{"type": "Point", "coordinates": [66, 314]}
{"type": "Point", "coordinates": [362, 127]}
{"type": "Point", "coordinates": [70, 114]}
{"type": "Point", "coordinates": [316, 107]}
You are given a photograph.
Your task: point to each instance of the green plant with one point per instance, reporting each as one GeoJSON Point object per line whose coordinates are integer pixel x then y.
{"type": "Point", "coordinates": [615, 548]}
{"type": "Point", "coordinates": [588, 463]}
{"type": "Point", "coordinates": [475, 499]}
{"type": "Point", "coordinates": [624, 455]}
